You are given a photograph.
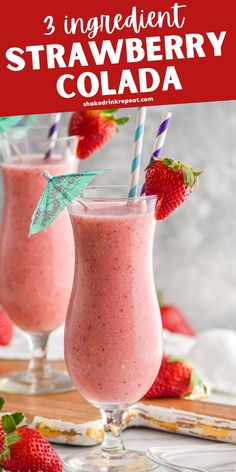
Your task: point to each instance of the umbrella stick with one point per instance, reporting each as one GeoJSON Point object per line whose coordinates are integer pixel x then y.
{"type": "Point", "coordinates": [14, 146]}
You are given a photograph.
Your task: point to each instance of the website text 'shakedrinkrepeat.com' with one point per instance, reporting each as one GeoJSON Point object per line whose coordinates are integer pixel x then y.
{"type": "Point", "coordinates": [115, 101]}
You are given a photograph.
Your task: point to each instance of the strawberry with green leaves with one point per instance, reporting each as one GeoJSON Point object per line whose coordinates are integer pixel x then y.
{"type": "Point", "coordinates": [32, 453]}
{"type": "Point", "coordinates": [23, 449]}
{"type": "Point", "coordinates": [176, 379]}
{"type": "Point", "coordinates": [172, 182]}
{"type": "Point", "coordinates": [8, 433]}
{"type": "Point", "coordinates": [94, 129]}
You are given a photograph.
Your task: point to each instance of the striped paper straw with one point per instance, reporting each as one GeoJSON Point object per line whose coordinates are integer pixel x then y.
{"type": "Point", "coordinates": [160, 139]}
{"type": "Point", "coordinates": [52, 134]}
{"type": "Point", "coordinates": [137, 149]}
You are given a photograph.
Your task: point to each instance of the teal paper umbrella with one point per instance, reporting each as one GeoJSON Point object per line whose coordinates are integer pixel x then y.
{"type": "Point", "coordinates": [7, 122]}
{"type": "Point", "coordinates": [57, 195]}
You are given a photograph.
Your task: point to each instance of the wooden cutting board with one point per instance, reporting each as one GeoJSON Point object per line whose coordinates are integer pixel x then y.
{"type": "Point", "coordinates": [71, 407]}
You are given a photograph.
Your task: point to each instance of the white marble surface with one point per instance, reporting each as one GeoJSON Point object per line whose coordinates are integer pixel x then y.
{"type": "Point", "coordinates": [141, 439]}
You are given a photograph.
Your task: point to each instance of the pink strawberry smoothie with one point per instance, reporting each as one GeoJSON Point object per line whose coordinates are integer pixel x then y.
{"type": "Point", "coordinates": [113, 340]}
{"type": "Point", "coordinates": [35, 273]}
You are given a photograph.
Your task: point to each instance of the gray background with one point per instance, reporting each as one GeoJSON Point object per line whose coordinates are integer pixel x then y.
{"type": "Point", "coordinates": [195, 248]}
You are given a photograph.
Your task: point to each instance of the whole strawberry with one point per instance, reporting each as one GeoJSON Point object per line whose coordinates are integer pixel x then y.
{"type": "Point", "coordinates": [173, 319]}
{"type": "Point", "coordinates": [8, 433]}
{"type": "Point", "coordinates": [6, 328]}
{"type": "Point", "coordinates": [32, 453]}
{"type": "Point", "coordinates": [176, 379]}
{"type": "Point", "coordinates": [23, 449]}
{"type": "Point", "coordinates": [94, 128]}
{"type": "Point", "coordinates": [172, 182]}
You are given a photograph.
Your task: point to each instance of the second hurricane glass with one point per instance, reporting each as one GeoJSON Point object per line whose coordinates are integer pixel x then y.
{"type": "Point", "coordinates": [36, 273]}
{"type": "Point", "coordinates": [113, 337]}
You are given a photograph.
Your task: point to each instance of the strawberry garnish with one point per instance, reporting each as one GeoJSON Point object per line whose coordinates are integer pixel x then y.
{"type": "Point", "coordinates": [172, 182]}
{"type": "Point", "coordinates": [6, 328]}
{"type": "Point", "coordinates": [173, 319]}
{"type": "Point", "coordinates": [94, 128]}
{"type": "Point", "coordinates": [176, 379]}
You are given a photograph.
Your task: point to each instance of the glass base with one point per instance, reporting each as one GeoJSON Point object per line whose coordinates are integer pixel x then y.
{"type": "Point", "coordinates": [99, 461]}
{"type": "Point", "coordinates": [28, 383]}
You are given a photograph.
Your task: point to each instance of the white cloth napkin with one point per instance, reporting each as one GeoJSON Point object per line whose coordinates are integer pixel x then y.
{"type": "Point", "coordinates": [212, 353]}
{"type": "Point", "coordinates": [19, 348]}
{"type": "Point", "coordinates": [199, 458]}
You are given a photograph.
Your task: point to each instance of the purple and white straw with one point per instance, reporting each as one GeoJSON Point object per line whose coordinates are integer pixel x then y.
{"type": "Point", "coordinates": [52, 134]}
{"type": "Point", "coordinates": [160, 139]}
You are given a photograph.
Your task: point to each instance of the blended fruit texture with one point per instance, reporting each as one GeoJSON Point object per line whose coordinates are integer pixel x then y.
{"type": "Point", "coordinates": [113, 340]}
{"type": "Point", "coordinates": [36, 273]}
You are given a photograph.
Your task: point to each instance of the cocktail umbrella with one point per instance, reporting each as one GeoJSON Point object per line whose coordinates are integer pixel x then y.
{"type": "Point", "coordinates": [57, 195]}
{"type": "Point", "coordinates": [7, 122]}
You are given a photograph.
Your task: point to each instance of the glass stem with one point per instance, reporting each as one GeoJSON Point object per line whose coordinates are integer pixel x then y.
{"type": "Point", "coordinates": [112, 425]}
{"type": "Point", "coordinates": [38, 366]}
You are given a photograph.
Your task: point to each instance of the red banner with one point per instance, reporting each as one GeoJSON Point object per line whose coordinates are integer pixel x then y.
{"type": "Point", "coordinates": [66, 56]}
